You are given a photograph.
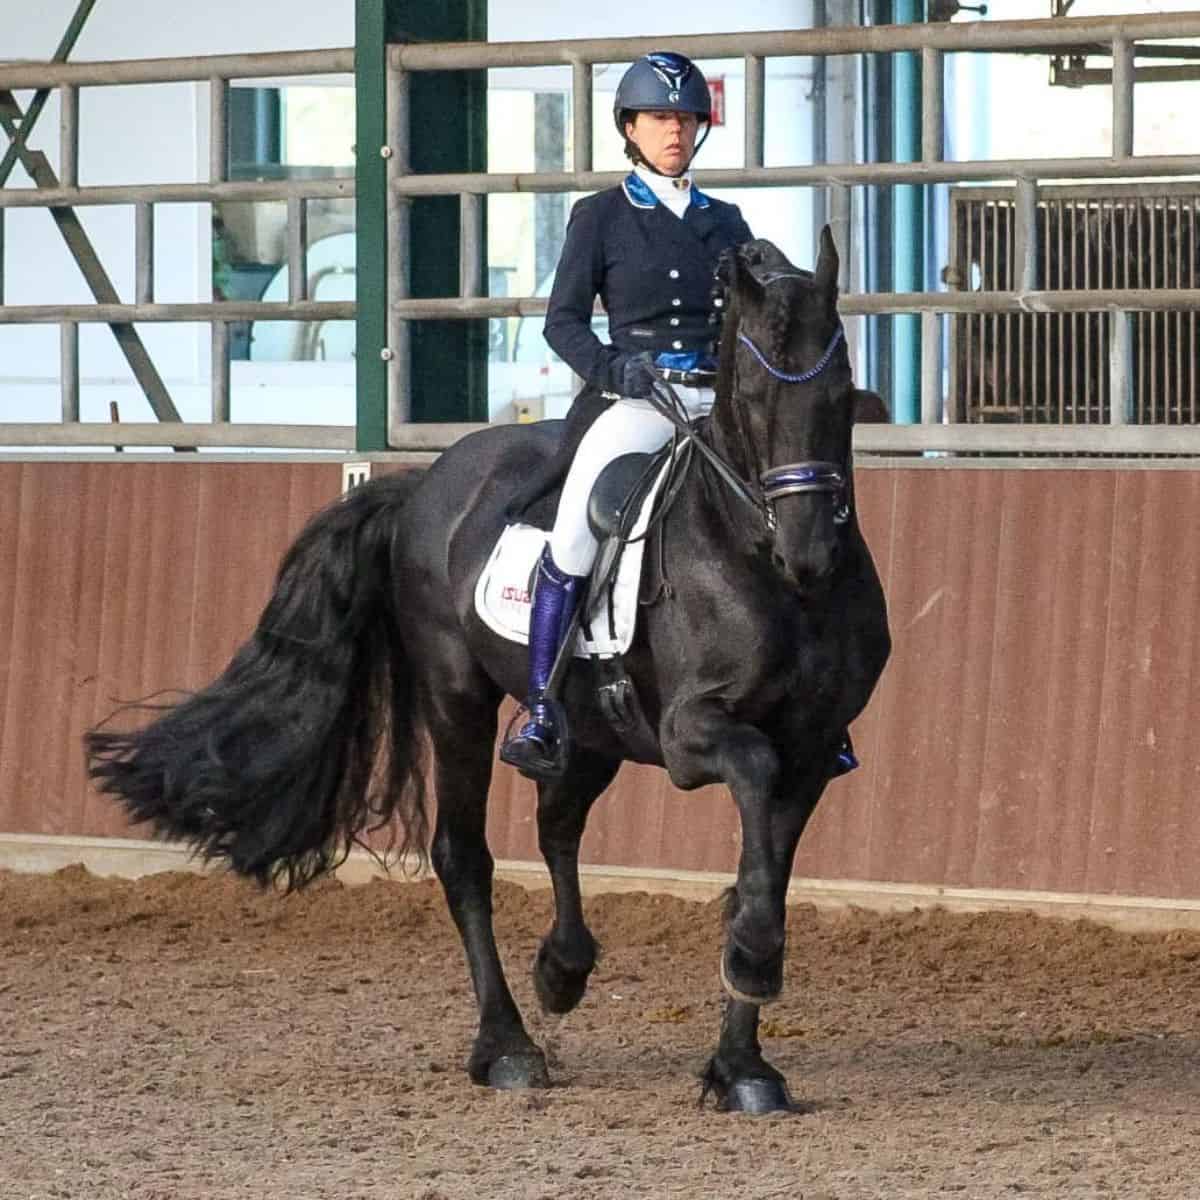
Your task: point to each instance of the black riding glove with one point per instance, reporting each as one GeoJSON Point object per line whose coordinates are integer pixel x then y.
{"type": "Point", "coordinates": [634, 375]}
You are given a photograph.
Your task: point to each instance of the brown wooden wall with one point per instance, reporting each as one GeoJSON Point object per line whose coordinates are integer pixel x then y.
{"type": "Point", "coordinates": [1031, 731]}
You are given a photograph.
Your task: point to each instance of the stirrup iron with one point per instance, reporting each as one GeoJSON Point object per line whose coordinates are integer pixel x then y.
{"type": "Point", "coordinates": [537, 743]}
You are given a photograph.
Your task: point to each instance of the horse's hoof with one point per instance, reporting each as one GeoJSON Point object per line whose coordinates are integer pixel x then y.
{"type": "Point", "coordinates": [748, 1086]}
{"type": "Point", "coordinates": [511, 1072]}
{"type": "Point", "coordinates": [741, 981]}
{"type": "Point", "coordinates": [758, 1096]}
{"type": "Point", "coordinates": [558, 989]}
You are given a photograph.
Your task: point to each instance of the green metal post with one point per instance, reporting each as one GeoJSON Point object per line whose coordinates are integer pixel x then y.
{"type": "Point", "coordinates": [879, 130]}
{"type": "Point", "coordinates": [908, 223]}
{"type": "Point", "coordinates": [370, 46]}
{"type": "Point", "coordinates": [449, 123]}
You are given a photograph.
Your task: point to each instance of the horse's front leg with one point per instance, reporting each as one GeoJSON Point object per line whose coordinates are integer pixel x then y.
{"type": "Point", "coordinates": [739, 1076]}
{"type": "Point", "coordinates": [773, 816]}
{"type": "Point", "coordinates": [709, 746]}
{"type": "Point", "coordinates": [756, 907]}
{"type": "Point", "coordinates": [567, 954]}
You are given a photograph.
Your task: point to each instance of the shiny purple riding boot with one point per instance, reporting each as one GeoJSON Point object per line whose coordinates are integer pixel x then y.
{"type": "Point", "coordinates": [539, 750]}
{"type": "Point", "coordinates": [846, 760]}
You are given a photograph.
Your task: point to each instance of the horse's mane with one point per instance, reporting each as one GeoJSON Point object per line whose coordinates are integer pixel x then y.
{"type": "Point", "coordinates": [727, 346]}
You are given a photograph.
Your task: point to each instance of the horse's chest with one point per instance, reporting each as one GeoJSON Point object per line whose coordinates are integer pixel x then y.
{"type": "Point", "coordinates": [772, 659]}
{"type": "Point", "coordinates": [799, 660]}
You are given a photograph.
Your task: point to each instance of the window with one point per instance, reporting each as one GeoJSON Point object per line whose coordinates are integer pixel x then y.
{"type": "Point", "coordinates": [293, 132]}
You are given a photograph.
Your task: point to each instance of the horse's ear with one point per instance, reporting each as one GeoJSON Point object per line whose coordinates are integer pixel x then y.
{"type": "Point", "coordinates": [741, 278]}
{"type": "Point", "coordinates": [826, 275]}
{"type": "Point", "coordinates": [726, 273]}
{"type": "Point", "coordinates": [869, 408]}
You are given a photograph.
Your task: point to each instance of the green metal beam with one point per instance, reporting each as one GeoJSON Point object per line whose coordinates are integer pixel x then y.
{"type": "Point", "coordinates": [370, 47]}
{"type": "Point", "coordinates": [908, 217]}
{"type": "Point", "coordinates": [449, 122]}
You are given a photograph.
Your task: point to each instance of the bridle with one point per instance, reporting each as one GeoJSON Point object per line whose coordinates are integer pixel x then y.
{"type": "Point", "coordinates": [804, 376]}
{"type": "Point", "coordinates": [796, 478]}
{"type": "Point", "coordinates": [774, 483]}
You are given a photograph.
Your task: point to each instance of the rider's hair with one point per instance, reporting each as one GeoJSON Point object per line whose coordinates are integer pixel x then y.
{"type": "Point", "coordinates": [628, 116]}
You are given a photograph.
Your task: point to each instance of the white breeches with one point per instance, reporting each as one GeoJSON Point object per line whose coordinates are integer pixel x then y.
{"type": "Point", "coordinates": [627, 427]}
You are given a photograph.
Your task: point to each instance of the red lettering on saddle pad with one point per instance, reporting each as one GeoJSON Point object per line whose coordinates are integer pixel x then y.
{"type": "Point", "coordinates": [511, 592]}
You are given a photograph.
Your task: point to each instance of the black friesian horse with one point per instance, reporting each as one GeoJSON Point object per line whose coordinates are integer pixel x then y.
{"type": "Point", "coordinates": [369, 656]}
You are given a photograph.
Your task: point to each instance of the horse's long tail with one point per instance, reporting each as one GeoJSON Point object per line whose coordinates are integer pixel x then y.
{"type": "Point", "coordinates": [312, 735]}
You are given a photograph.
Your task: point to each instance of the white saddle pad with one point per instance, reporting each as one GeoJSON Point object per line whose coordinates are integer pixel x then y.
{"type": "Point", "coordinates": [502, 590]}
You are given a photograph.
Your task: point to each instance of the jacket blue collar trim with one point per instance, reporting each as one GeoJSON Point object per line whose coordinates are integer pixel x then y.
{"type": "Point", "coordinates": [638, 192]}
{"type": "Point", "coordinates": [640, 195]}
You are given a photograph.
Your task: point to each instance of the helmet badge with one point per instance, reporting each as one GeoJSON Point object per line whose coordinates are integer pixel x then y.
{"type": "Point", "coordinates": [673, 96]}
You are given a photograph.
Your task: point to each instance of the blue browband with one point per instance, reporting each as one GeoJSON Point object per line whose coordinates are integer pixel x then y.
{"type": "Point", "coordinates": [804, 376]}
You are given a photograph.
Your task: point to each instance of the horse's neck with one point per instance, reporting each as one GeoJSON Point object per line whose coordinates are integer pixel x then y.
{"type": "Point", "coordinates": [724, 526]}
{"type": "Point", "coordinates": [723, 435]}
{"type": "Point", "coordinates": [736, 529]}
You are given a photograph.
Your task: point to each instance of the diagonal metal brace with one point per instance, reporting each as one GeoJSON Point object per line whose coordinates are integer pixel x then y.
{"type": "Point", "coordinates": [30, 119]}
{"type": "Point", "coordinates": [78, 242]}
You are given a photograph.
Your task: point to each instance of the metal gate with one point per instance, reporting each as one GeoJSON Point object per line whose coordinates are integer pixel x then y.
{"type": "Point", "coordinates": [1054, 368]}
{"type": "Point", "coordinates": [1102, 302]}
{"type": "Point", "coordinates": [1098, 420]}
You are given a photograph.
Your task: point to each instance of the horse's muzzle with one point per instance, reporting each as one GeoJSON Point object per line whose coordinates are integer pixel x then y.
{"type": "Point", "coordinates": [812, 570]}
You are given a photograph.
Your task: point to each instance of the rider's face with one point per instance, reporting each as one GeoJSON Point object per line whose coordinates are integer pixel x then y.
{"type": "Point", "coordinates": [666, 139]}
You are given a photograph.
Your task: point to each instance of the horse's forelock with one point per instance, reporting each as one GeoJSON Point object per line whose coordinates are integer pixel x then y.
{"type": "Point", "coordinates": [778, 290]}
{"type": "Point", "coordinates": [786, 298]}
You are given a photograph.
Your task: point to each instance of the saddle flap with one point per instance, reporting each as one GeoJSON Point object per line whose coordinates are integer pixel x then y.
{"type": "Point", "coordinates": [502, 592]}
{"type": "Point", "coordinates": [618, 490]}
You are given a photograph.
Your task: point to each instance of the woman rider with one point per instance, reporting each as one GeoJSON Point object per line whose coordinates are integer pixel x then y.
{"type": "Point", "coordinates": [648, 248]}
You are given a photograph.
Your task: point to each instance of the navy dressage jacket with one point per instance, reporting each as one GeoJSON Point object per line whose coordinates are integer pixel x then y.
{"type": "Point", "coordinates": [652, 270]}
{"type": "Point", "coordinates": [654, 273]}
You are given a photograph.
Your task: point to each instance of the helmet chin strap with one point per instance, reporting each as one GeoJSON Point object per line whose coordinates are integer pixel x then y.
{"type": "Point", "coordinates": [641, 158]}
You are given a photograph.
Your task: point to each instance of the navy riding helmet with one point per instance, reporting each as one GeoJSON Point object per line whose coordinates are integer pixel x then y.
{"type": "Point", "coordinates": [663, 81]}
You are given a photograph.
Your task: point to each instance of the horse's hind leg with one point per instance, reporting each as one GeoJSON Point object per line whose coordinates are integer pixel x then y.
{"type": "Point", "coordinates": [568, 952]}
{"type": "Point", "coordinates": [463, 733]}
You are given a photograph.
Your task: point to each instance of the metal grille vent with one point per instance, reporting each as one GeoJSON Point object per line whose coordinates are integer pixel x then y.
{"type": "Point", "coordinates": [1053, 367]}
